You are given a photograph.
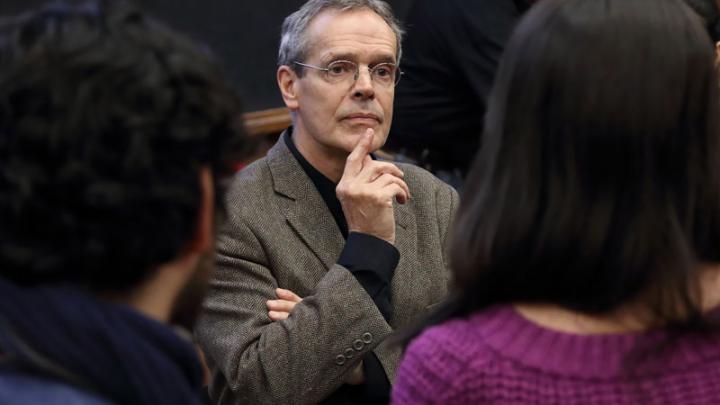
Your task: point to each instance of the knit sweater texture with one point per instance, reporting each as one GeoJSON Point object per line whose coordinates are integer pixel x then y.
{"type": "Point", "coordinates": [499, 357]}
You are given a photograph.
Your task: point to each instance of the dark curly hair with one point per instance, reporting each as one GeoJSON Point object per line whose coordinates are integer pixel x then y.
{"type": "Point", "coordinates": [106, 119]}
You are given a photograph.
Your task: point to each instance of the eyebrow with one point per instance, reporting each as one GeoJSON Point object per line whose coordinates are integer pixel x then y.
{"type": "Point", "coordinates": [331, 57]}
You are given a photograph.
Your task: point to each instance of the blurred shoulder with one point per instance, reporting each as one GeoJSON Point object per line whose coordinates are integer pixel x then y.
{"type": "Point", "coordinates": [25, 389]}
{"type": "Point", "coordinates": [456, 336]}
{"type": "Point", "coordinates": [437, 361]}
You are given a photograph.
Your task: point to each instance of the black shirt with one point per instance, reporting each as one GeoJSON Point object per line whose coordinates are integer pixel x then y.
{"type": "Point", "coordinates": [373, 271]}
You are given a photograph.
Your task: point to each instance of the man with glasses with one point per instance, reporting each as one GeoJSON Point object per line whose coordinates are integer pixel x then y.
{"type": "Point", "coordinates": [327, 250]}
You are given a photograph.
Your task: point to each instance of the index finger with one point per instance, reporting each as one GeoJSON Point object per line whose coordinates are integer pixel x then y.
{"type": "Point", "coordinates": [287, 295]}
{"type": "Point", "coordinates": [355, 160]}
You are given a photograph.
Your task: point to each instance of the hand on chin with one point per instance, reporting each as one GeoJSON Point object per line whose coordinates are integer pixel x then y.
{"type": "Point", "coordinates": [355, 132]}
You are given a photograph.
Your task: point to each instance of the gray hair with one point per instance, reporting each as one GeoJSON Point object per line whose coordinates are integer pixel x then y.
{"type": "Point", "coordinates": [293, 42]}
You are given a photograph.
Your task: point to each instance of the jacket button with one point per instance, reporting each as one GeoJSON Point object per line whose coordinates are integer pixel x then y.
{"type": "Point", "coordinates": [349, 353]}
{"type": "Point", "coordinates": [358, 345]}
{"type": "Point", "coordinates": [340, 360]}
{"type": "Point", "coordinates": [367, 337]}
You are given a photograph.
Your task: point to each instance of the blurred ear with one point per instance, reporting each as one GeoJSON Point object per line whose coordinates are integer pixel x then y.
{"type": "Point", "coordinates": [717, 52]}
{"type": "Point", "coordinates": [287, 81]}
{"type": "Point", "coordinates": [203, 239]}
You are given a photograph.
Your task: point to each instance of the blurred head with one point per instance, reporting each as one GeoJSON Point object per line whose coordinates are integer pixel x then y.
{"type": "Point", "coordinates": [113, 130]}
{"type": "Point", "coordinates": [329, 117]}
{"type": "Point", "coordinates": [709, 11]}
{"type": "Point", "coordinates": [599, 178]}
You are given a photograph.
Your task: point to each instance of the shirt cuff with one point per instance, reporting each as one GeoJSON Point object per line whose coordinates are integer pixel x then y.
{"type": "Point", "coordinates": [372, 261]}
{"type": "Point", "coordinates": [365, 252]}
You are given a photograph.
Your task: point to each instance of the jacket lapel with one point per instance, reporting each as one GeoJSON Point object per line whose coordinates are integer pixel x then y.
{"type": "Point", "coordinates": [302, 205]}
{"type": "Point", "coordinates": [309, 217]}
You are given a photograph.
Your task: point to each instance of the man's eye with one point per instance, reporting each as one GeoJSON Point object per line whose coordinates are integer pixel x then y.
{"type": "Point", "coordinates": [383, 71]}
{"type": "Point", "coordinates": [339, 68]}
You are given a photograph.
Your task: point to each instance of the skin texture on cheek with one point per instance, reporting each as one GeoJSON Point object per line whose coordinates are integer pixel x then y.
{"type": "Point", "coordinates": [324, 113]}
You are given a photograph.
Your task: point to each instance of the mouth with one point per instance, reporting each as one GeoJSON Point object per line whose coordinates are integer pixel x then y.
{"type": "Point", "coordinates": [363, 118]}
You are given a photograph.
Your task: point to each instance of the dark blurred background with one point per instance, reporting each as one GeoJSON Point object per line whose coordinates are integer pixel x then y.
{"type": "Point", "coordinates": [244, 33]}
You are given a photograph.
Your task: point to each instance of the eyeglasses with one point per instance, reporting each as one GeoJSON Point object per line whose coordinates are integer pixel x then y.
{"type": "Point", "coordinates": [385, 74]}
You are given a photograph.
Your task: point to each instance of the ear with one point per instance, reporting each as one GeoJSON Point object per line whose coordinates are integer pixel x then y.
{"type": "Point", "coordinates": [717, 53]}
{"type": "Point", "coordinates": [203, 239]}
{"type": "Point", "coordinates": [288, 81]}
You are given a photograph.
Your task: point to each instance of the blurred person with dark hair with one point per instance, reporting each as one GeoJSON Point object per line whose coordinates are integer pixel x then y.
{"type": "Point", "coordinates": [115, 135]}
{"type": "Point", "coordinates": [585, 254]}
{"type": "Point", "coordinates": [451, 54]}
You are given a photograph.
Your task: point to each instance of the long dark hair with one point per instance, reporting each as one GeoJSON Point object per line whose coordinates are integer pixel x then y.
{"type": "Point", "coordinates": [599, 178]}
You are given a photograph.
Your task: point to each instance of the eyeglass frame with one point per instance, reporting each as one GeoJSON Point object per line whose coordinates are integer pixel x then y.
{"type": "Point", "coordinates": [398, 71]}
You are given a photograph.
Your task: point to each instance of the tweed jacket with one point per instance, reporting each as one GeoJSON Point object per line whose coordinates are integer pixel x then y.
{"type": "Point", "coordinates": [280, 233]}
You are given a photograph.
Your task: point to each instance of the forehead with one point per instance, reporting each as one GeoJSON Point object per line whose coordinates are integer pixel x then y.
{"type": "Point", "coordinates": [360, 33]}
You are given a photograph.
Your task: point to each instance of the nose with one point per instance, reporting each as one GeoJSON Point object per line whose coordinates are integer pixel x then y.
{"type": "Point", "coordinates": [363, 87]}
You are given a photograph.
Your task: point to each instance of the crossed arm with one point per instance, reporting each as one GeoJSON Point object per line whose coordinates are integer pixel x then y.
{"type": "Point", "coordinates": [280, 308]}
{"type": "Point", "coordinates": [292, 360]}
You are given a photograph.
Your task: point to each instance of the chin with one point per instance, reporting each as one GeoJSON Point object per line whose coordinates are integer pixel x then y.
{"type": "Point", "coordinates": [353, 136]}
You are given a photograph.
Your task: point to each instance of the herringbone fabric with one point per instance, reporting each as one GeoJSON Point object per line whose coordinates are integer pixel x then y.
{"type": "Point", "coordinates": [281, 234]}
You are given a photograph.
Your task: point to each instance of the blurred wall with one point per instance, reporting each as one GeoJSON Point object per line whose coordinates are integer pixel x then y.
{"type": "Point", "coordinates": [244, 33]}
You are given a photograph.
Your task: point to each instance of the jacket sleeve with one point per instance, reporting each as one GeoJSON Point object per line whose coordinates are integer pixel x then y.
{"type": "Point", "coordinates": [300, 360]}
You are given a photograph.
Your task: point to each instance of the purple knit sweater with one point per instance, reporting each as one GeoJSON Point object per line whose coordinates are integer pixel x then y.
{"type": "Point", "coordinates": [499, 357]}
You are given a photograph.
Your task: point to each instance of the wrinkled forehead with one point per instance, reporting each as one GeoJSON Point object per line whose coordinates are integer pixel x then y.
{"type": "Point", "coordinates": [355, 32]}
